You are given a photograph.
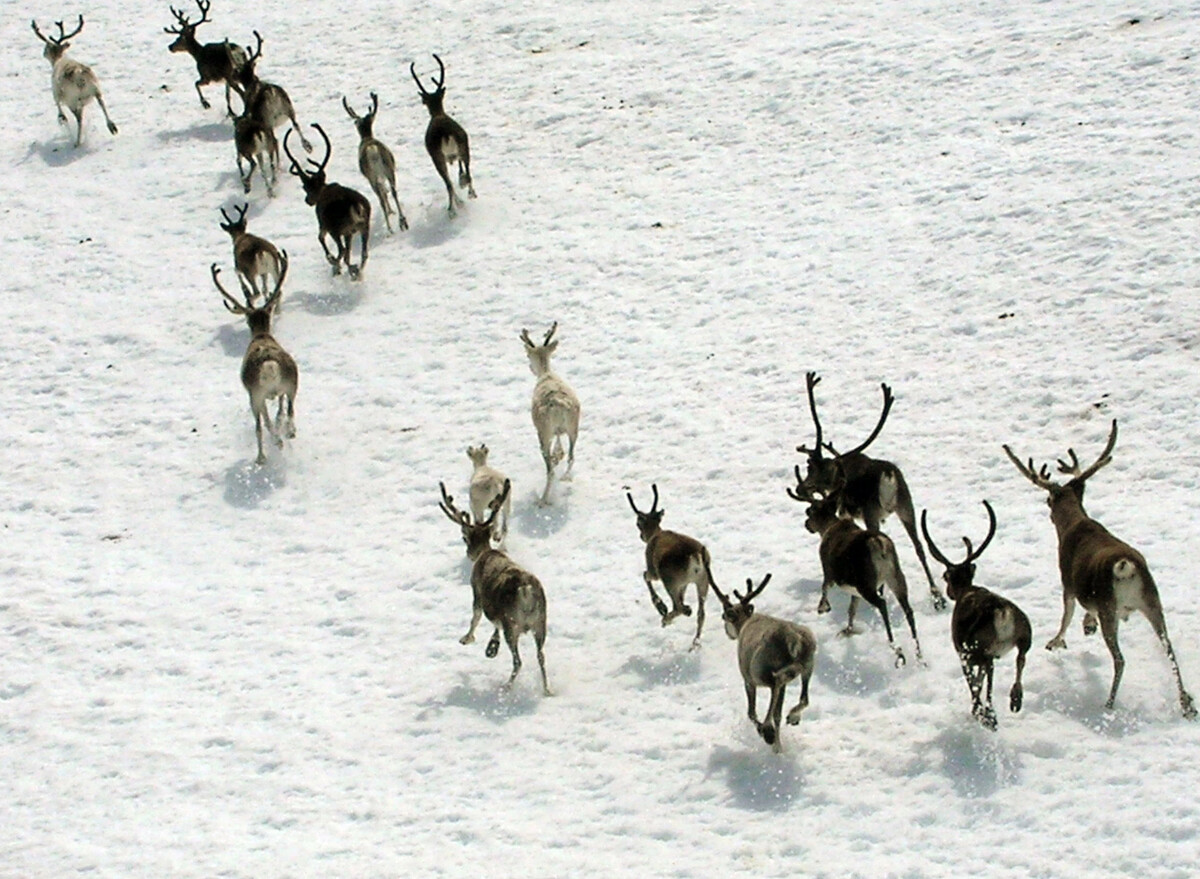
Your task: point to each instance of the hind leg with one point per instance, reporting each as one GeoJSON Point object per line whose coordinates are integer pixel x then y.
{"type": "Point", "coordinates": [1108, 628]}
{"type": "Point", "coordinates": [793, 717]}
{"type": "Point", "coordinates": [510, 637]}
{"type": "Point", "coordinates": [112, 126]}
{"type": "Point", "coordinates": [1068, 611]}
{"type": "Point", "coordinates": [1155, 615]}
{"type": "Point", "coordinates": [539, 637]}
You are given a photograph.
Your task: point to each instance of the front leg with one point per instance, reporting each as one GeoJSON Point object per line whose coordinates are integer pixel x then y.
{"type": "Point", "coordinates": [1059, 640]}
{"type": "Point", "coordinates": [823, 604]}
{"type": "Point", "coordinates": [751, 703]}
{"type": "Point", "coordinates": [330, 258]}
{"type": "Point", "coordinates": [62, 117]}
{"type": "Point", "coordinates": [204, 101]}
{"type": "Point", "coordinates": [476, 613]}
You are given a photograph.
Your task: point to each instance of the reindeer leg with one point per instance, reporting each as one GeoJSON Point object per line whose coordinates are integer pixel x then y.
{"type": "Point", "coordinates": [823, 605]}
{"type": "Point", "coordinates": [278, 431]}
{"type": "Point", "coordinates": [793, 717]}
{"type": "Point", "coordinates": [1154, 614]}
{"type": "Point", "coordinates": [1108, 628]}
{"type": "Point", "coordinates": [769, 729]}
{"type": "Point", "coordinates": [659, 604]}
{"type": "Point", "coordinates": [850, 630]}
{"type": "Point", "coordinates": [78, 114]}
{"type": "Point", "coordinates": [511, 637]}
{"type": "Point", "coordinates": [464, 168]}
{"type": "Point", "coordinates": [493, 645]}
{"type": "Point", "coordinates": [880, 605]}
{"type": "Point", "coordinates": [291, 416]}
{"type": "Point", "coordinates": [539, 638]}
{"type": "Point", "coordinates": [1068, 611]}
{"type": "Point", "coordinates": [245, 174]}
{"type": "Point", "coordinates": [335, 262]}
{"type": "Point", "coordinates": [112, 126]}
{"type": "Point", "coordinates": [439, 162]}
{"type": "Point", "coordinates": [381, 194]}
{"type": "Point", "coordinates": [62, 117]}
{"type": "Point", "coordinates": [1017, 694]}
{"type": "Point", "coordinates": [989, 713]}
{"type": "Point", "coordinates": [204, 101]}
{"type": "Point", "coordinates": [400, 221]}
{"type": "Point", "coordinates": [260, 415]}
{"type": "Point", "coordinates": [545, 499]}
{"type": "Point", "coordinates": [752, 703]}
{"type": "Point", "coordinates": [362, 257]}
{"type": "Point", "coordinates": [701, 594]}
{"type": "Point", "coordinates": [476, 613]}
{"type": "Point", "coordinates": [900, 590]}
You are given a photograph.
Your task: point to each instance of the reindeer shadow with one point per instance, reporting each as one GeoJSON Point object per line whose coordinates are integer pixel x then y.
{"type": "Point", "coordinates": [861, 669]}
{"type": "Point", "coordinates": [497, 703]}
{"type": "Point", "coordinates": [536, 521]}
{"type": "Point", "coordinates": [667, 670]}
{"type": "Point", "coordinates": [805, 591]}
{"type": "Point", "coordinates": [212, 132]}
{"type": "Point", "coordinates": [974, 760]}
{"type": "Point", "coordinates": [329, 304]}
{"type": "Point", "coordinates": [233, 340]}
{"type": "Point", "coordinates": [435, 229]}
{"type": "Point", "coordinates": [57, 153]}
{"type": "Point", "coordinates": [248, 484]}
{"type": "Point", "coordinates": [760, 781]}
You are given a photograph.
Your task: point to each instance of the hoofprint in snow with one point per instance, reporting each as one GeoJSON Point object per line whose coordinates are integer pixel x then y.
{"type": "Point", "coordinates": [211, 667]}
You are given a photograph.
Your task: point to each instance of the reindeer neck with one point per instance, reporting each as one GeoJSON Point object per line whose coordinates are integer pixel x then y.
{"type": "Point", "coordinates": [1067, 512]}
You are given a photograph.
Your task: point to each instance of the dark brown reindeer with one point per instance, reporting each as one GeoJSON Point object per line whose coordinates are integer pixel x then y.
{"type": "Point", "coordinates": [861, 562]}
{"type": "Point", "coordinates": [71, 82]}
{"type": "Point", "coordinates": [215, 62]}
{"type": "Point", "coordinates": [445, 139]}
{"type": "Point", "coordinates": [1107, 576]}
{"type": "Point", "coordinates": [984, 626]}
{"type": "Point", "coordinates": [771, 653]}
{"type": "Point", "coordinates": [256, 260]}
{"type": "Point", "coordinates": [874, 489]}
{"type": "Point", "coordinates": [376, 162]}
{"type": "Point", "coordinates": [510, 597]}
{"type": "Point", "coordinates": [267, 102]}
{"type": "Point", "coordinates": [676, 560]}
{"type": "Point", "coordinates": [341, 212]}
{"type": "Point", "coordinates": [268, 371]}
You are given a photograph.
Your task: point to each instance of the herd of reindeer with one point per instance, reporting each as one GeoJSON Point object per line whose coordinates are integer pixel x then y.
{"type": "Point", "coordinates": [1105, 575]}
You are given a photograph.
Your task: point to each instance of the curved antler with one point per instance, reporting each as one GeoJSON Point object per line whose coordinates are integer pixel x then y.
{"type": "Point", "coordinates": [653, 506]}
{"type": "Point", "coordinates": [752, 591]}
{"type": "Point", "coordinates": [328, 147]}
{"type": "Point", "coordinates": [1105, 458]}
{"type": "Point", "coordinates": [1039, 478]}
{"type": "Point", "coordinates": [933, 550]}
{"type": "Point", "coordinates": [230, 303]}
{"type": "Point", "coordinates": [283, 269]}
{"type": "Point", "coordinates": [295, 169]}
{"type": "Point", "coordinates": [497, 502]}
{"type": "Point", "coordinates": [412, 68]}
{"type": "Point", "coordinates": [452, 512]}
{"type": "Point", "coordinates": [888, 399]}
{"type": "Point", "coordinates": [972, 554]}
{"type": "Point", "coordinates": [346, 105]}
{"type": "Point", "coordinates": [441, 75]}
{"type": "Point", "coordinates": [811, 380]}
{"type": "Point", "coordinates": [374, 104]}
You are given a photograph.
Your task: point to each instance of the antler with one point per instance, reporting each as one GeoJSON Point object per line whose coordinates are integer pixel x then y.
{"type": "Point", "coordinates": [972, 554]}
{"type": "Point", "coordinates": [550, 334]}
{"type": "Point", "coordinates": [452, 512]}
{"type": "Point", "coordinates": [230, 303]}
{"type": "Point", "coordinates": [811, 380]}
{"type": "Point", "coordinates": [241, 214]}
{"type": "Point", "coordinates": [1072, 469]}
{"type": "Point", "coordinates": [295, 169]}
{"type": "Point", "coordinates": [653, 506]}
{"type": "Point", "coordinates": [374, 104]}
{"type": "Point", "coordinates": [182, 19]}
{"type": "Point", "coordinates": [328, 147]}
{"type": "Point", "coordinates": [497, 502]}
{"type": "Point", "coordinates": [283, 268]}
{"type": "Point", "coordinates": [1040, 478]}
{"type": "Point", "coordinates": [437, 83]}
{"type": "Point", "coordinates": [346, 105]}
{"type": "Point", "coordinates": [888, 399]}
{"type": "Point", "coordinates": [802, 493]}
{"type": "Point", "coordinates": [252, 57]}
{"type": "Point", "coordinates": [752, 591]}
{"type": "Point", "coordinates": [62, 35]}
{"type": "Point", "coordinates": [412, 68]}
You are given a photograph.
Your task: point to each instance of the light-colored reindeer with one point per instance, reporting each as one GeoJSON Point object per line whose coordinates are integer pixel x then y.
{"type": "Point", "coordinates": [487, 484]}
{"type": "Point", "coordinates": [555, 408]}
{"type": "Point", "coordinates": [73, 83]}
{"type": "Point", "coordinates": [376, 162]}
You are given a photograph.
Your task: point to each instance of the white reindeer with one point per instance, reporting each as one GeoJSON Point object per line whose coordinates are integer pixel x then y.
{"type": "Point", "coordinates": [487, 484]}
{"type": "Point", "coordinates": [74, 83]}
{"type": "Point", "coordinates": [555, 408]}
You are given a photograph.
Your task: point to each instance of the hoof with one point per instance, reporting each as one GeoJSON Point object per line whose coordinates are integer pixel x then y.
{"type": "Point", "coordinates": [493, 647]}
{"type": "Point", "coordinates": [823, 607]}
{"type": "Point", "coordinates": [939, 601]}
{"type": "Point", "coordinates": [1089, 625]}
{"type": "Point", "coordinates": [467, 639]}
{"type": "Point", "coordinates": [900, 660]}
{"type": "Point", "coordinates": [1188, 706]}
{"type": "Point", "coordinates": [767, 731]}
{"type": "Point", "coordinates": [1056, 644]}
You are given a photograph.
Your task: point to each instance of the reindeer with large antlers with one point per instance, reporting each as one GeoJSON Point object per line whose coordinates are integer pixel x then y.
{"type": "Point", "coordinates": [771, 653]}
{"type": "Point", "coordinates": [215, 62]}
{"type": "Point", "coordinates": [859, 561]}
{"type": "Point", "coordinates": [676, 560]}
{"type": "Point", "coordinates": [1107, 576]}
{"type": "Point", "coordinates": [873, 488]}
{"type": "Point", "coordinates": [555, 408]}
{"type": "Point", "coordinates": [341, 212]}
{"type": "Point", "coordinates": [266, 102]}
{"type": "Point", "coordinates": [376, 162]}
{"type": "Point", "coordinates": [984, 626]}
{"type": "Point", "coordinates": [72, 82]}
{"type": "Point", "coordinates": [510, 597]}
{"type": "Point", "coordinates": [445, 139]}
{"type": "Point", "coordinates": [255, 259]}
{"type": "Point", "coordinates": [268, 371]}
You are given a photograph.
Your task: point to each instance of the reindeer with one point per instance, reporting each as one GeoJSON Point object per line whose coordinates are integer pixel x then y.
{"type": "Point", "coordinates": [984, 626]}
{"type": "Point", "coordinates": [874, 489]}
{"type": "Point", "coordinates": [862, 562]}
{"type": "Point", "coordinates": [676, 560]}
{"type": "Point", "coordinates": [445, 139]}
{"type": "Point", "coordinates": [771, 653]}
{"type": "Point", "coordinates": [341, 212]}
{"type": "Point", "coordinates": [256, 146]}
{"type": "Point", "coordinates": [487, 483]}
{"type": "Point", "coordinates": [510, 597]}
{"type": "Point", "coordinates": [215, 62]}
{"type": "Point", "coordinates": [267, 102]}
{"type": "Point", "coordinates": [255, 259]}
{"type": "Point", "coordinates": [555, 408]}
{"type": "Point", "coordinates": [376, 162]}
{"type": "Point", "coordinates": [1107, 576]}
{"type": "Point", "coordinates": [72, 82]}
{"type": "Point", "coordinates": [267, 370]}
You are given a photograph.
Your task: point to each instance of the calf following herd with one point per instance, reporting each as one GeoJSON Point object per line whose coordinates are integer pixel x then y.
{"type": "Point", "coordinates": [1105, 575]}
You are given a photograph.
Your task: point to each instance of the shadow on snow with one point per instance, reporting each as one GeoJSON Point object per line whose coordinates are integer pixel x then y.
{"type": "Point", "coordinates": [759, 780]}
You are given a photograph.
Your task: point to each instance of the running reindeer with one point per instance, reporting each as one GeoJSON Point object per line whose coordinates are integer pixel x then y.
{"type": "Point", "coordinates": [1107, 576]}
{"type": "Point", "coordinates": [266, 102]}
{"type": "Point", "coordinates": [215, 62]}
{"type": "Point", "coordinates": [72, 82]}
{"type": "Point", "coordinates": [676, 560]}
{"type": "Point", "coordinates": [256, 260]}
{"type": "Point", "coordinates": [257, 146]}
{"type": "Point", "coordinates": [445, 139]}
{"type": "Point", "coordinates": [555, 408]}
{"type": "Point", "coordinates": [377, 163]}
{"type": "Point", "coordinates": [861, 562]}
{"type": "Point", "coordinates": [341, 212]}
{"type": "Point", "coordinates": [771, 653]}
{"type": "Point", "coordinates": [487, 484]}
{"type": "Point", "coordinates": [268, 371]}
{"type": "Point", "coordinates": [984, 626]}
{"type": "Point", "coordinates": [874, 489]}
{"type": "Point", "coordinates": [510, 597]}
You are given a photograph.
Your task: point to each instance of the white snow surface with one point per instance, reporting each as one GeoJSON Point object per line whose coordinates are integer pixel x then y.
{"type": "Point", "coordinates": [208, 668]}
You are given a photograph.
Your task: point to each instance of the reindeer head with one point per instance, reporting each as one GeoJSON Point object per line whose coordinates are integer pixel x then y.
{"type": "Point", "coordinates": [312, 181]}
{"type": "Point", "coordinates": [478, 454]}
{"type": "Point", "coordinates": [186, 30]}
{"type": "Point", "coordinates": [822, 502]}
{"type": "Point", "coordinates": [648, 523]}
{"type": "Point", "coordinates": [238, 226]}
{"type": "Point", "coordinates": [1065, 496]}
{"type": "Point", "coordinates": [363, 124]}
{"type": "Point", "coordinates": [57, 46]}
{"type": "Point", "coordinates": [821, 471]}
{"type": "Point", "coordinates": [539, 355]}
{"type": "Point", "coordinates": [476, 535]}
{"type": "Point", "coordinates": [960, 576]}
{"type": "Point", "coordinates": [736, 615]}
{"type": "Point", "coordinates": [432, 100]}
{"type": "Point", "coordinates": [257, 319]}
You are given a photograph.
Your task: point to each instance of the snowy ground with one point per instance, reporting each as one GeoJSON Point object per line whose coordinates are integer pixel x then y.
{"type": "Point", "coordinates": [213, 669]}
